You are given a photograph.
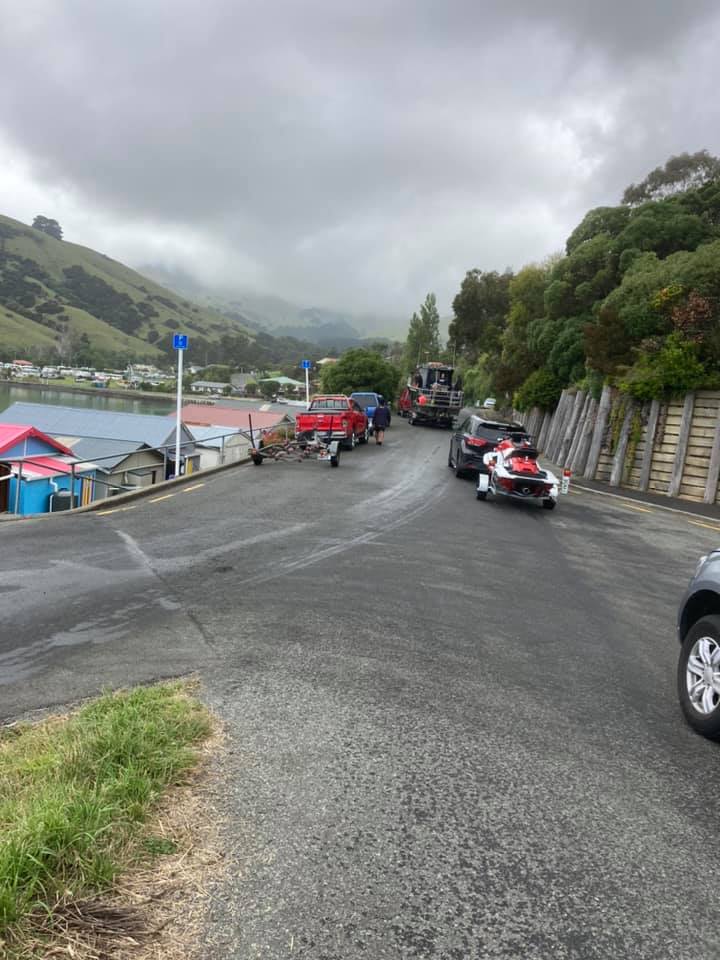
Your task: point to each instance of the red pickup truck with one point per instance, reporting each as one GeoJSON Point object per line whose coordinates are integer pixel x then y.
{"type": "Point", "coordinates": [338, 417]}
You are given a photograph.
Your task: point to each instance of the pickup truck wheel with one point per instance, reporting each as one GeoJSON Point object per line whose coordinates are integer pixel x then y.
{"type": "Point", "coordinates": [364, 437]}
{"type": "Point", "coordinates": [548, 504]}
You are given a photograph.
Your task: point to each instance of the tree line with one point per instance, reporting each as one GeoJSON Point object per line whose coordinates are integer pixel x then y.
{"type": "Point", "coordinates": [634, 300]}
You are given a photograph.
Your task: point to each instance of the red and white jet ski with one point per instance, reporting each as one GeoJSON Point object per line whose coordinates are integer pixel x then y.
{"type": "Point", "coordinates": [513, 471]}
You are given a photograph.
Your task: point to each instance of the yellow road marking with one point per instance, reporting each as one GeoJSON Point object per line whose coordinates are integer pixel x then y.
{"type": "Point", "coordinates": [631, 506]}
{"type": "Point", "coordinates": [699, 523]}
{"type": "Point", "coordinates": [104, 513]}
{"type": "Point", "coordinates": [158, 499]}
{"type": "Point", "coordinates": [195, 486]}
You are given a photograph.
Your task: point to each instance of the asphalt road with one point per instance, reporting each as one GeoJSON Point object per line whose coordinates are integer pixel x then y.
{"type": "Point", "coordinates": [453, 725]}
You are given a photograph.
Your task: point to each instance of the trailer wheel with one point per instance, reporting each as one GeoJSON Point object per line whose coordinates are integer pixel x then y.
{"type": "Point", "coordinates": [335, 460]}
{"type": "Point", "coordinates": [481, 494]}
{"type": "Point", "coordinates": [548, 504]}
{"type": "Point", "coordinates": [257, 460]}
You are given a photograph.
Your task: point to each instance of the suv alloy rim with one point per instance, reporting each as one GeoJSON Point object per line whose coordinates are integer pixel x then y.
{"type": "Point", "coordinates": [702, 675]}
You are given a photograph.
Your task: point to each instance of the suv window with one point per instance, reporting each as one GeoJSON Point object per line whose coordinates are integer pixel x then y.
{"type": "Point", "coordinates": [330, 403]}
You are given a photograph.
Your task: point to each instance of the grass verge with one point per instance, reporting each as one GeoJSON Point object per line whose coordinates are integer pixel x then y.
{"type": "Point", "coordinates": [75, 794]}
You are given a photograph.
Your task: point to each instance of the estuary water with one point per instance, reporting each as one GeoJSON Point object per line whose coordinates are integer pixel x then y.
{"type": "Point", "coordinates": [11, 394]}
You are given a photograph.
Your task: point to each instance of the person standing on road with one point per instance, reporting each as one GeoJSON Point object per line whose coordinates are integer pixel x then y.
{"type": "Point", "coordinates": [381, 418]}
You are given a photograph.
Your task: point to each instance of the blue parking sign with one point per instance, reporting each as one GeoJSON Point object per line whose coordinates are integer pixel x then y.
{"type": "Point", "coordinates": [305, 364]}
{"type": "Point", "coordinates": [180, 341]}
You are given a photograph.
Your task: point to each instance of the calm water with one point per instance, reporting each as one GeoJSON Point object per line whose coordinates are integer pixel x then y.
{"type": "Point", "coordinates": [13, 394]}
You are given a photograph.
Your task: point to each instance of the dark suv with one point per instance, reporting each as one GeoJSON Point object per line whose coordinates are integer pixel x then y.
{"type": "Point", "coordinates": [475, 436]}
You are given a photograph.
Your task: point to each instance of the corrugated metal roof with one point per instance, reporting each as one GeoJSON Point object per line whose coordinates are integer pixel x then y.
{"type": "Point", "coordinates": [212, 436]}
{"type": "Point", "coordinates": [13, 432]}
{"type": "Point", "coordinates": [79, 422]}
{"type": "Point", "coordinates": [48, 467]}
{"type": "Point", "coordinates": [200, 414]}
{"type": "Point", "coordinates": [106, 453]}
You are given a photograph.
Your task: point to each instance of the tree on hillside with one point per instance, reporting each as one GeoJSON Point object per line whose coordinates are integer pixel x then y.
{"type": "Point", "coordinates": [269, 388]}
{"type": "Point", "coordinates": [51, 227]}
{"type": "Point", "coordinates": [686, 171]}
{"type": "Point", "coordinates": [527, 303]}
{"type": "Point", "coordinates": [480, 310]}
{"type": "Point", "coordinates": [360, 369]}
{"type": "Point", "coordinates": [423, 339]}
{"type": "Point", "coordinates": [220, 373]}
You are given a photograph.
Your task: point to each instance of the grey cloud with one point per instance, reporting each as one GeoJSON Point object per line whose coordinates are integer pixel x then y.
{"type": "Point", "coordinates": [357, 154]}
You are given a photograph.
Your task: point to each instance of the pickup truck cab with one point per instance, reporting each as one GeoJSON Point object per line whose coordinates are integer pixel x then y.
{"type": "Point", "coordinates": [368, 400]}
{"type": "Point", "coordinates": [338, 417]}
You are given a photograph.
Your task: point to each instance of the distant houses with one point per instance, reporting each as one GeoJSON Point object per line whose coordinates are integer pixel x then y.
{"type": "Point", "coordinates": [210, 386]}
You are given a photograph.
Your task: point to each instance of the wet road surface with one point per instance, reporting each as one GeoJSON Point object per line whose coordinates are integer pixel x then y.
{"type": "Point", "coordinates": [454, 727]}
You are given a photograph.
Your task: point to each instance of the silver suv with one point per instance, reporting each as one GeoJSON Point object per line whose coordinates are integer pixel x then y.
{"type": "Point", "coordinates": [698, 674]}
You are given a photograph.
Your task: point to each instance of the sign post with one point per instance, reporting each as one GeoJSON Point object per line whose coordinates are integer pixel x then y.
{"type": "Point", "coordinates": [180, 343]}
{"type": "Point", "coordinates": [305, 364]}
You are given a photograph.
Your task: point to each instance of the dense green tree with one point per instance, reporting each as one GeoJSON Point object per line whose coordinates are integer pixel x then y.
{"type": "Point", "coordinates": [479, 310]}
{"type": "Point", "coordinates": [269, 388]}
{"type": "Point", "coordinates": [679, 174]}
{"type": "Point", "coordinates": [423, 339]}
{"type": "Point", "coordinates": [664, 228]}
{"type": "Point", "coordinates": [51, 227]}
{"type": "Point", "coordinates": [541, 389]}
{"type": "Point", "coordinates": [609, 221]}
{"type": "Point", "coordinates": [220, 373]}
{"type": "Point", "coordinates": [527, 303]}
{"type": "Point", "coordinates": [360, 369]}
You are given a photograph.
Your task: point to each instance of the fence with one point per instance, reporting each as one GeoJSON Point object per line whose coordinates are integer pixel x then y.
{"type": "Point", "coordinates": [670, 448]}
{"type": "Point", "coordinates": [13, 467]}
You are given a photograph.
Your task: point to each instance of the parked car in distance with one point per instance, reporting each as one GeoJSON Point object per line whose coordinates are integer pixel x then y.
{"type": "Point", "coordinates": [475, 436]}
{"type": "Point", "coordinates": [698, 626]}
{"type": "Point", "coordinates": [369, 401]}
{"type": "Point", "coordinates": [336, 417]}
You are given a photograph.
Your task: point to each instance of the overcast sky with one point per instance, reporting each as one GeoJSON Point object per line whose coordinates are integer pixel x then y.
{"type": "Point", "coordinates": [344, 154]}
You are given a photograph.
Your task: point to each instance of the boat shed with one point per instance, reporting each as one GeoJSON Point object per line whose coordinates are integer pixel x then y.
{"type": "Point", "coordinates": [36, 472]}
{"type": "Point", "coordinates": [156, 432]}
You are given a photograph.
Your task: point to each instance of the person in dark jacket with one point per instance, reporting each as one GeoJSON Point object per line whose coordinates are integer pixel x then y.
{"type": "Point", "coordinates": [381, 419]}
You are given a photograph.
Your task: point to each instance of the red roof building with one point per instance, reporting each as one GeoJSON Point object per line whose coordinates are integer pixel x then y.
{"type": "Point", "coordinates": [219, 416]}
{"type": "Point", "coordinates": [13, 435]}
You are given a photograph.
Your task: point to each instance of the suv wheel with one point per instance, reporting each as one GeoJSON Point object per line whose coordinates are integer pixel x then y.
{"type": "Point", "coordinates": [459, 468]}
{"type": "Point", "coordinates": [698, 677]}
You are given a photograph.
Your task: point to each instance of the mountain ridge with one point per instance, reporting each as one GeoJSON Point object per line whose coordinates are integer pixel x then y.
{"type": "Point", "coordinates": [54, 292]}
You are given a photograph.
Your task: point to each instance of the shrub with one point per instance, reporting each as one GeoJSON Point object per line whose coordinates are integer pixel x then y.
{"type": "Point", "coordinates": [674, 368]}
{"type": "Point", "coordinates": [541, 389]}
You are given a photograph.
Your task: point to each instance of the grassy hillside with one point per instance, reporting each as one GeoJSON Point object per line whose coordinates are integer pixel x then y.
{"type": "Point", "coordinates": [60, 297]}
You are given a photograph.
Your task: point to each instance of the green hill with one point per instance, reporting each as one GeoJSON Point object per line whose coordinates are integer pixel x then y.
{"type": "Point", "coordinates": [57, 297]}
